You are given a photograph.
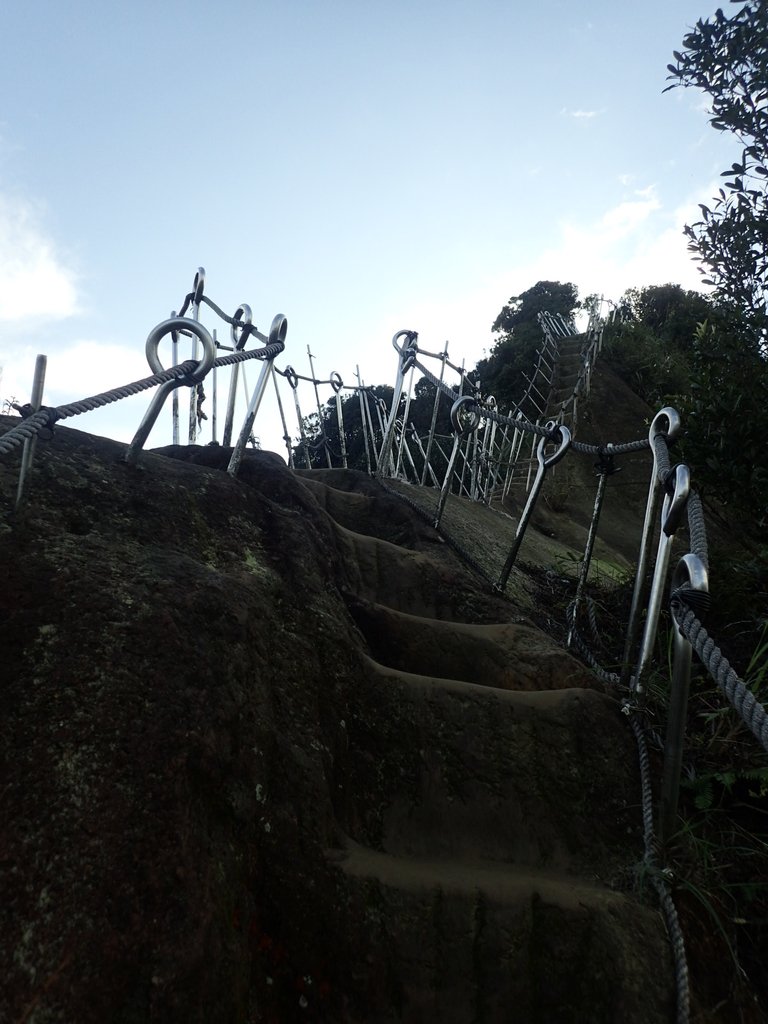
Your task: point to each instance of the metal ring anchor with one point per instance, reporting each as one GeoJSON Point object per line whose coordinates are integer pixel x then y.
{"type": "Point", "coordinates": [336, 382]}
{"type": "Point", "coordinates": [278, 330]}
{"type": "Point", "coordinates": [176, 323]}
{"type": "Point", "coordinates": [672, 416]}
{"type": "Point", "coordinates": [656, 430]}
{"type": "Point", "coordinates": [676, 500]}
{"type": "Point", "coordinates": [459, 409]}
{"type": "Point", "coordinates": [199, 286]}
{"type": "Point", "coordinates": [291, 376]}
{"type": "Point", "coordinates": [564, 443]}
{"type": "Point", "coordinates": [409, 349]}
{"type": "Point", "coordinates": [171, 326]}
{"type": "Point", "coordinates": [241, 328]}
{"type": "Point", "coordinates": [690, 582]}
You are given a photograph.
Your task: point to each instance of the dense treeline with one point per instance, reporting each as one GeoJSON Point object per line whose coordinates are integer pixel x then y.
{"type": "Point", "coordinates": [701, 355]}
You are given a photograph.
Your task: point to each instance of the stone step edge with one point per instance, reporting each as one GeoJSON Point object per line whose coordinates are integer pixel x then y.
{"type": "Point", "coordinates": [534, 699]}
{"type": "Point", "coordinates": [499, 881]}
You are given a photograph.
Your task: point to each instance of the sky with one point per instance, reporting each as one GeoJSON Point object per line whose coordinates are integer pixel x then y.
{"type": "Point", "coordinates": [360, 167]}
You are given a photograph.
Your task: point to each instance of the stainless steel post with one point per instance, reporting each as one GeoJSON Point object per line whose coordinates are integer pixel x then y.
{"type": "Point", "coordinates": [672, 418]}
{"type": "Point", "coordinates": [458, 410]}
{"type": "Point", "coordinates": [606, 468]}
{"type": "Point", "coordinates": [545, 462]}
{"type": "Point", "coordinates": [277, 334]}
{"type": "Point", "coordinates": [671, 514]}
{"type": "Point", "coordinates": [28, 453]}
{"type": "Point", "coordinates": [239, 333]}
{"type": "Point", "coordinates": [433, 423]}
{"type": "Point", "coordinates": [194, 314]}
{"type": "Point", "coordinates": [420, 446]}
{"type": "Point", "coordinates": [175, 399]}
{"type": "Point", "coordinates": [214, 398]}
{"type": "Point", "coordinates": [407, 357]}
{"type": "Point", "coordinates": [691, 573]}
{"type": "Point", "coordinates": [363, 420]}
{"type": "Point", "coordinates": [337, 384]}
{"type": "Point", "coordinates": [320, 421]}
{"type": "Point", "coordinates": [293, 380]}
{"type": "Point", "coordinates": [286, 435]}
{"type": "Point", "coordinates": [406, 411]}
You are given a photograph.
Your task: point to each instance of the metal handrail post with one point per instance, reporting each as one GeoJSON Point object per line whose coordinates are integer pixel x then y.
{"type": "Point", "coordinates": [214, 398]}
{"type": "Point", "coordinates": [293, 382]}
{"type": "Point", "coordinates": [320, 422]}
{"type": "Point", "coordinates": [672, 511]}
{"type": "Point", "coordinates": [406, 359]}
{"type": "Point", "coordinates": [175, 399]}
{"type": "Point", "coordinates": [606, 468]}
{"type": "Point", "coordinates": [545, 462]}
{"type": "Point", "coordinates": [286, 435]}
{"type": "Point", "coordinates": [673, 429]}
{"type": "Point", "coordinates": [239, 331]}
{"type": "Point", "coordinates": [337, 384]}
{"type": "Point", "coordinates": [406, 411]}
{"type": "Point", "coordinates": [691, 573]}
{"type": "Point", "coordinates": [36, 400]}
{"type": "Point", "coordinates": [420, 446]}
{"type": "Point", "coordinates": [277, 335]}
{"type": "Point", "coordinates": [435, 406]}
{"type": "Point", "coordinates": [204, 364]}
{"type": "Point", "coordinates": [363, 421]}
{"type": "Point", "coordinates": [458, 409]}
{"type": "Point", "coordinates": [194, 314]}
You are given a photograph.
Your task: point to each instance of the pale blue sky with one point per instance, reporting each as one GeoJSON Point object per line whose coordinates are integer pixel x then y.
{"type": "Point", "coordinates": [360, 167]}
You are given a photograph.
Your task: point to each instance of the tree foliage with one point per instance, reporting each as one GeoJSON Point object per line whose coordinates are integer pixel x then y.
{"type": "Point", "coordinates": [727, 58]}
{"type": "Point", "coordinates": [670, 311]}
{"type": "Point", "coordinates": [324, 439]}
{"type": "Point", "coordinates": [501, 373]}
{"type": "Point", "coordinates": [724, 413]}
{"type": "Point", "coordinates": [701, 355]}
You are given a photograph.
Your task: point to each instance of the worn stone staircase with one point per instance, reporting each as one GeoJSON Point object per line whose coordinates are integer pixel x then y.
{"type": "Point", "coordinates": [568, 372]}
{"type": "Point", "coordinates": [487, 805]}
{"type": "Point", "coordinates": [272, 754]}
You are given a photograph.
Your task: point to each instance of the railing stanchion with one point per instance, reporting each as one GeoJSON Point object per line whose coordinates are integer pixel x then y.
{"type": "Point", "coordinates": [692, 575]}
{"type": "Point", "coordinates": [28, 452]}
{"type": "Point", "coordinates": [673, 428]}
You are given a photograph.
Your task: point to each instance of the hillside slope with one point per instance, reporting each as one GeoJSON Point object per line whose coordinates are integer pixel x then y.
{"type": "Point", "coordinates": [270, 753]}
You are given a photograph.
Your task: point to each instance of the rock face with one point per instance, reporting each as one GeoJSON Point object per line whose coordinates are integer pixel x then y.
{"type": "Point", "coordinates": [270, 753]}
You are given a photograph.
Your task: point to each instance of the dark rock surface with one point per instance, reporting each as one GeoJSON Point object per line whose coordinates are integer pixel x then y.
{"type": "Point", "coordinates": [270, 753]}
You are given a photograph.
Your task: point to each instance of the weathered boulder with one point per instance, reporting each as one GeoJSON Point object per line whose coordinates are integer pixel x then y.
{"type": "Point", "coordinates": [269, 753]}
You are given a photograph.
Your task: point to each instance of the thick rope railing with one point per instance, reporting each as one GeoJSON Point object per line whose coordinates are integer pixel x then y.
{"type": "Point", "coordinates": [47, 417]}
{"type": "Point", "coordinates": [735, 690]}
{"type": "Point", "coordinates": [534, 428]}
{"type": "Point", "coordinates": [656, 875]}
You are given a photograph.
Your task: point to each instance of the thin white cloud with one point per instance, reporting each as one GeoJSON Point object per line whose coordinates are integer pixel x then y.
{"type": "Point", "coordinates": [635, 243]}
{"type": "Point", "coordinates": [76, 371]}
{"type": "Point", "coordinates": [582, 115]}
{"type": "Point", "coordinates": [86, 368]}
{"type": "Point", "coordinates": [34, 282]}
